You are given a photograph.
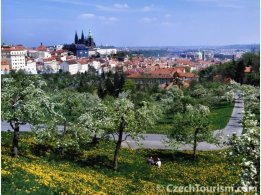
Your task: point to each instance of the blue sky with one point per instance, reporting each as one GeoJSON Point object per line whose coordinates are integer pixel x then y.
{"type": "Point", "coordinates": [132, 22]}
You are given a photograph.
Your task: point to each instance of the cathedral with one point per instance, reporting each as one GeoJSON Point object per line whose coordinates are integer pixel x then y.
{"type": "Point", "coordinates": [88, 41]}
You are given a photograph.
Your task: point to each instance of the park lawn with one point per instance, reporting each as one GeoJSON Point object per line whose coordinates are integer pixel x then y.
{"type": "Point", "coordinates": [92, 172]}
{"type": "Point", "coordinates": [220, 115]}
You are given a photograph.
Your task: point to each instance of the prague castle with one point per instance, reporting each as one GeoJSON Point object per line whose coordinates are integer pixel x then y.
{"type": "Point", "coordinates": [88, 41]}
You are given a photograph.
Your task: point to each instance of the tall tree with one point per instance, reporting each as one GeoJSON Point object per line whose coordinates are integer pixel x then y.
{"type": "Point", "coordinates": [126, 118]}
{"type": "Point", "coordinates": [101, 90]}
{"type": "Point", "coordinates": [24, 101]}
{"type": "Point", "coordinates": [240, 72]}
{"type": "Point", "coordinates": [109, 86]}
{"type": "Point", "coordinates": [116, 84]}
{"type": "Point", "coordinates": [192, 126]}
{"type": "Point", "coordinates": [129, 85]}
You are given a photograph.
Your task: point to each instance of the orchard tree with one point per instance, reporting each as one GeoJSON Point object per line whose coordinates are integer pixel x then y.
{"type": "Point", "coordinates": [95, 122]}
{"type": "Point", "coordinates": [198, 91]}
{"type": "Point", "coordinates": [24, 101]}
{"type": "Point", "coordinates": [192, 126]}
{"type": "Point", "coordinates": [70, 105]}
{"type": "Point", "coordinates": [71, 140]}
{"type": "Point", "coordinates": [172, 100]}
{"type": "Point", "coordinates": [251, 96]}
{"type": "Point", "coordinates": [126, 118]}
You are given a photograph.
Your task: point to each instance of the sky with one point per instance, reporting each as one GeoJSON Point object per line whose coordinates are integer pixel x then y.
{"type": "Point", "coordinates": [131, 22]}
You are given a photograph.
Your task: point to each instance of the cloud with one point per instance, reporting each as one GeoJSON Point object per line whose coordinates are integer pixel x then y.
{"type": "Point", "coordinates": [115, 7]}
{"type": "Point", "coordinates": [121, 6]}
{"type": "Point", "coordinates": [167, 16]}
{"type": "Point", "coordinates": [147, 8]}
{"type": "Point", "coordinates": [106, 19]}
{"type": "Point", "coordinates": [87, 16]}
{"type": "Point", "coordinates": [125, 8]}
{"type": "Point", "coordinates": [71, 2]}
{"type": "Point", "coordinates": [167, 23]}
{"type": "Point", "coordinates": [220, 3]}
{"type": "Point", "coordinates": [149, 19]}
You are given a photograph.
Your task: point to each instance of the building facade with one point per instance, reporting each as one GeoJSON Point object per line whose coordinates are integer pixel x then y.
{"type": "Point", "coordinates": [15, 55]}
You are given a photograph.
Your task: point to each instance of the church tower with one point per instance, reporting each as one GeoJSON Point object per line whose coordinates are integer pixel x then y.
{"type": "Point", "coordinates": [76, 40]}
{"type": "Point", "coordinates": [82, 38]}
{"type": "Point", "coordinates": [90, 42]}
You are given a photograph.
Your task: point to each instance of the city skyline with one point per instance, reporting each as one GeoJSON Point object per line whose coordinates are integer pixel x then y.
{"type": "Point", "coordinates": [128, 23]}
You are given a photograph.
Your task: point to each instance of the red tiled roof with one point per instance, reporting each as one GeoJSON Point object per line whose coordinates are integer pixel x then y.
{"type": "Point", "coordinates": [41, 48]}
{"type": "Point", "coordinates": [49, 59]}
{"type": "Point", "coordinates": [248, 69]}
{"type": "Point", "coordinates": [70, 62]}
{"type": "Point", "coordinates": [187, 75]}
{"type": "Point", "coordinates": [83, 61]}
{"type": "Point", "coordinates": [148, 76]}
{"type": "Point", "coordinates": [4, 62]}
{"type": "Point", "coordinates": [14, 48]}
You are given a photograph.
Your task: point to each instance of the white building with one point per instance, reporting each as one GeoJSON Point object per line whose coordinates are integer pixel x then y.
{"type": "Point", "coordinates": [84, 65]}
{"type": "Point", "coordinates": [107, 51]}
{"type": "Point", "coordinates": [52, 64]}
{"type": "Point", "coordinates": [15, 55]}
{"type": "Point", "coordinates": [70, 66]}
{"type": "Point", "coordinates": [40, 52]}
{"type": "Point", "coordinates": [58, 47]}
{"type": "Point", "coordinates": [31, 67]}
{"type": "Point", "coordinates": [92, 52]}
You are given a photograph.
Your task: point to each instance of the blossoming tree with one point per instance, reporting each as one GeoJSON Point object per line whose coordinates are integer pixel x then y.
{"type": "Point", "coordinates": [192, 126]}
{"type": "Point", "coordinates": [119, 117]}
{"type": "Point", "coordinates": [23, 101]}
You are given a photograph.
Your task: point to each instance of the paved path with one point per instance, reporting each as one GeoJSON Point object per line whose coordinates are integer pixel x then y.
{"type": "Point", "coordinates": [5, 126]}
{"type": "Point", "coordinates": [158, 141]}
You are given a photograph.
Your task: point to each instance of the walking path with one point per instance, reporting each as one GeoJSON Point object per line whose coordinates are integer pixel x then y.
{"type": "Point", "coordinates": [158, 141]}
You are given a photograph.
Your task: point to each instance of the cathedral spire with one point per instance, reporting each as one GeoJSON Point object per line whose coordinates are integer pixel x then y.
{"type": "Point", "coordinates": [82, 38]}
{"type": "Point", "coordinates": [76, 40]}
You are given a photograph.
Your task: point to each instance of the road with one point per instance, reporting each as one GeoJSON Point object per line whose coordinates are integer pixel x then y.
{"type": "Point", "coordinates": [5, 126]}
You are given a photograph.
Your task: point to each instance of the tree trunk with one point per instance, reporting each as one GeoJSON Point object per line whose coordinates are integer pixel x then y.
{"type": "Point", "coordinates": [64, 134]}
{"type": "Point", "coordinates": [15, 141]}
{"type": "Point", "coordinates": [64, 128]}
{"type": "Point", "coordinates": [118, 145]}
{"type": "Point", "coordinates": [195, 144]}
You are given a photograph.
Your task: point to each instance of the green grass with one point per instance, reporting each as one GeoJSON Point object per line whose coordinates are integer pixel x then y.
{"type": "Point", "coordinates": [220, 115]}
{"type": "Point", "coordinates": [92, 172]}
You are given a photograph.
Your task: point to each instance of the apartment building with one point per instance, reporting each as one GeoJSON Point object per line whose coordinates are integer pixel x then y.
{"type": "Point", "coordinates": [15, 55]}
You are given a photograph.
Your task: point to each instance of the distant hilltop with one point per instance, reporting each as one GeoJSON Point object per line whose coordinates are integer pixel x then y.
{"type": "Point", "coordinates": [234, 46]}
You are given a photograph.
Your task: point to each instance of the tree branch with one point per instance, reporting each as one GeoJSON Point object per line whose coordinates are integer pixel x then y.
{"type": "Point", "coordinates": [11, 124]}
{"type": "Point", "coordinates": [114, 138]}
{"type": "Point", "coordinates": [125, 137]}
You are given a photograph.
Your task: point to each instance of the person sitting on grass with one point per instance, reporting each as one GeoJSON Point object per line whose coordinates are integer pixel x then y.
{"type": "Point", "coordinates": [158, 163]}
{"type": "Point", "coordinates": [150, 161]}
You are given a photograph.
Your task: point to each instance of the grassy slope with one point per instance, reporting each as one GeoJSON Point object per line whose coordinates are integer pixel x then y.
{"type": "Point", "coordinates": [220, 115]}
{"type": "Point", "coordinates": [48, 175]}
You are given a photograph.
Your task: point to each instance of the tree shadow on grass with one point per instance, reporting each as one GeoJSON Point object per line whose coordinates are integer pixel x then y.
{"type": "Point", "coordinates": [96, 161]}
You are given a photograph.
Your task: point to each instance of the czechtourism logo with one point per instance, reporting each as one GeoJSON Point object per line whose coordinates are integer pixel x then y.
{"type": "Point", "coordinates": [170, 188]}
